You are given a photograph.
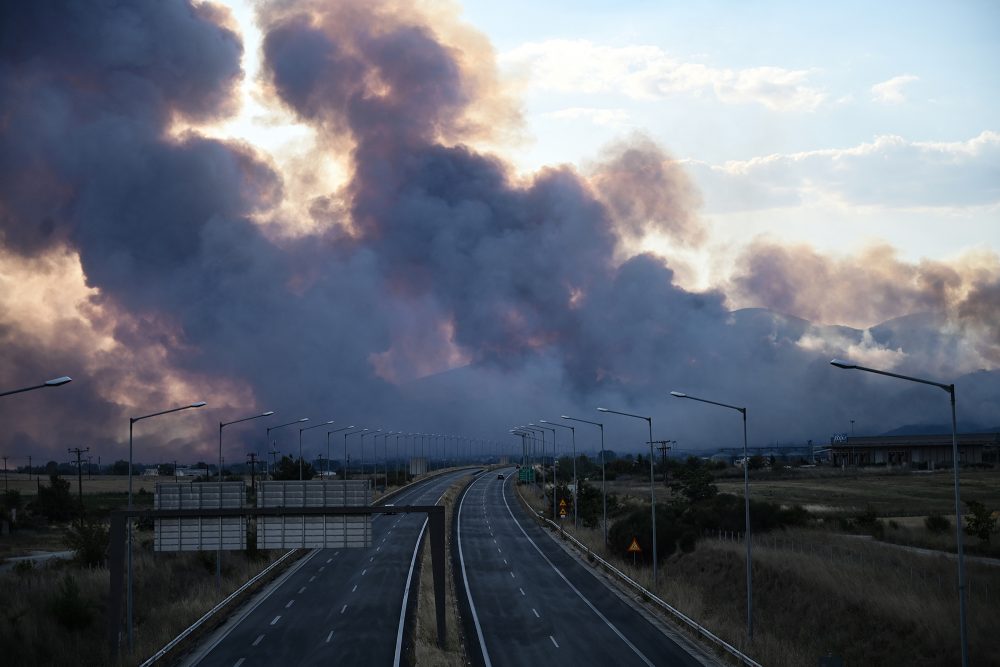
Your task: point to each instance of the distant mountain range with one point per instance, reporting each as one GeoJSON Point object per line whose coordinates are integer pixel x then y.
{"type": "Point", "coordinates": [939, 429]}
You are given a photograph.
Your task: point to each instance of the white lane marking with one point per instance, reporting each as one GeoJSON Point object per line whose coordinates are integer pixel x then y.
{"type": "Point", "coordinates": [364, 571]}
{"type": "Point", "coordinates": [575, 589]}
{"type": "Point", "coordinates": [499, 550]}
{"type": "Point", "coordinates": [329, 637]}
{"type": "Point", "coordinates": [554, 641]}
{"type": "Point", "coordinates": [371, 559]}
{"type": "Point", "coordinates": [355, 588]}
{"type": "Point", "coordinates": [329, 560]}
{"type": "Point", "coordinates": [511, 574]}
{"type": "Point", "coordinates": [521, 589]}
{"type": "Point", "coordinates": [343, 609]}
{"type": "Point", "coordinates": [301, 590]}
{"type": "Point", "coordinates": [378, 548]}
{"type": "Point", "coordinates": [275, 619]}
{"type": "Point", "coordinates": [259, 639]}
{"type": "Point", "coordinates": [322, 567]}
{"type": "Point", "coordinates": [465, 580]}
{"type": "Point", "coordinates": [536, 613]}
{"type": "Point", "coordinates": [336, 553]}
{"type": "Point", "coordinates": [239, 662]}
{"type": "Point", "coordinates": [290, 603]}
{"type": "Point", "coordinates": [312, 578]}
{"type": "Point", "coordinates": [504, 561]}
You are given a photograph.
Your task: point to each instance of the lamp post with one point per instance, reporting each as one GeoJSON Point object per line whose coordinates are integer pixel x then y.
{"type": "Point", "coordinates": [950, 388]}
{"type": "Point", "coordinates": [604, 481]}
{"type": "Point", "coordinates": [347, 460]}
{"type": "Point", "coordinates": [746, 501]}
{"type": "Point", "coordinates": [555, 482]}
{"type": "Point", "coordinates": [131, 423]}
{"type": "Point", "coordinates": [652, 493]}
{"type": "Point", "coordinates": [218, 553]}
{"type": "Point", "coordinates": [576, 490]}
{"type": "Point", "coordinates": [267, 435]}
{"type": "Point", "coordinates": [363, 434]}
{"type": "Point", "coordinates": [336, 430]}
{"type": "Point", "coordinates": [306, 428]}
{"type": "Point", "coordinates": [542, 459]}
{"type": "Point", "coordinates": [56, 382]}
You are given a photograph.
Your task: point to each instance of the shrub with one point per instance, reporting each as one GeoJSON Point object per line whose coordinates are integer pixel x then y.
{"type": "Point", "coordinates": [68, 606]}
{"type": "Point", "coordinates": [937, 524]}
{"type": "Point", "coordinates": [89, 540]}
{"type": "Point", "coordinates": [979, 522]}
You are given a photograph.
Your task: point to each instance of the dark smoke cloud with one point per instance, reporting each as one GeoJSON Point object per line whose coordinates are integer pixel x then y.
{"type": "Point", "coordinates": [432, 254]}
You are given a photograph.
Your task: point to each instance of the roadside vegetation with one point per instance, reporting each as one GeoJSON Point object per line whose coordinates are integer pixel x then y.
{"type": "Point", "coordinates": [833, 571]}
{"type": "Point", "coordinates": [426, 649]}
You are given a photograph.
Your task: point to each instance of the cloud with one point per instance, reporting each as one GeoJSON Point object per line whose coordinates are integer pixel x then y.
{"type": "Point", "coordinates": [647, 72]}
{"type": "Point", "coordinates": [890, 171]}
{"type": "Point", "coordinates": [615, 118]}
{"type": "Point", "coordinates": [437, 292]}
{"type": "Point", "coordinates": [891, 91]}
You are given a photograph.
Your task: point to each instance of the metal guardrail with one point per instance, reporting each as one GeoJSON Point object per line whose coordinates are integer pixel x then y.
{"type": "Point", "coordinates": [197, 624]}
{"type": "Point", "coordinates": [681, 616]}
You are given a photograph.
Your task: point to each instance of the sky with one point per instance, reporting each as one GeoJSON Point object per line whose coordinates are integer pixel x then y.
{"type": "Point", "coordinates": [457, 217]}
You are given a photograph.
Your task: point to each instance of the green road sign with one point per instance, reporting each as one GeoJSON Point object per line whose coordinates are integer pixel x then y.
{"type": "Point", "coordinates": [526, 475]}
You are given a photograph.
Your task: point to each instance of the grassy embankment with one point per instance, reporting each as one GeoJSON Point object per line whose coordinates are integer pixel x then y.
{"type": "Point", "coordinates": [426, 648]}
{"type": "Point", "coordinates": [818, 592]}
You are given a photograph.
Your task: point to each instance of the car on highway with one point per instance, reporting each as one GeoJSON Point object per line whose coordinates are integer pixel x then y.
{"type": "Point", "coordinates": [500, 475]}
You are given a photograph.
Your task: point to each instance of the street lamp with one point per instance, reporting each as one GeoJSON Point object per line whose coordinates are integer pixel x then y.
{"type": "Point", "coordinates": [604, 481]}
{"type": "Point", "coordinates": [555, 483]}
{"type": "Point", "coordinates": [746, 500]}
{"type": "Point", "coordinates": [536, 429]}
{"type": "Point", "coordinates": [347, 460]}
{"type": "Point", "coordinates": [950, 388]}
{"type": "Point", "coordinates": [326, 423]}
{"type": "Point", "coordinates": [267, 434]}
{"type": "Point", "coordinates": [218, 553]}
{"type": "Point", "coordinates": [131, 422]}
{"type": "Point", "coordinates": [336, 430]}
{"type": "Point", "coordinates": [576, 489]}
{"type": "Point", "coordinates": [56, 382]}
{"type": "Point", "coordinates": [363, 434]}
{"type": "Point", "coordinates": [652, 493]}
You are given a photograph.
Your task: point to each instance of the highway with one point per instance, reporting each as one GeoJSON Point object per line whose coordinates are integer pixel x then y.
{"type": "Point", "coordinates": [533, 604]}
{"type": "Point", "coordinates": [345, 606]}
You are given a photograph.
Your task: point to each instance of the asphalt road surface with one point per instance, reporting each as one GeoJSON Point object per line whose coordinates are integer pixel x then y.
{"type": "Point", "coordinates": [533, 604]}
{"type": "Point", "coordinates": [339, 606]}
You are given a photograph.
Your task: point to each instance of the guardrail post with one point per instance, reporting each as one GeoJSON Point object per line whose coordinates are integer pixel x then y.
{"type": "Point", "coordinates": [435, 518]}
{"type": "Point", "coordinates": [116, 565]}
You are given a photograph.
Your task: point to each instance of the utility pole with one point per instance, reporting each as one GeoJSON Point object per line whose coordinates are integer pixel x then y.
{"type": "Point", "coordinates": [4, 472]}
{"type": "Point", "coordinates": [175, 470]}
{"type": "Point", "coordinates": [253, 466]}
{"type": "Point", "coordinates": [29, 467]}
{"type": "Point", "coordinates": [89, 467]}
{"type": "Point", "coordinates": [79, 476]}
{"type": "Point", "coordinates": [664, 446]}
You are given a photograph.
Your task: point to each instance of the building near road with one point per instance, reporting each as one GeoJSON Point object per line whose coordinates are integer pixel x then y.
{"type": "Point", "coordinates": [917, 451]}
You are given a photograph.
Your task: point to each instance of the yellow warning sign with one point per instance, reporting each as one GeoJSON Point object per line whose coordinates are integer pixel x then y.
{"type": "Point", "coordinates": [634, 548]}
{"type": "Point", "coordinates": [562, 503]}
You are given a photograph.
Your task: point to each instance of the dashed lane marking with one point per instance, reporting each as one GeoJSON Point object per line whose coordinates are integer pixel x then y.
{"type": "Point", "coordinates": [276, 619]}
{"type": "Point", "coordinates": [259, 639]}
{"type": "Point", "coordinates": [554, 641]}
{"type": "Point", "coordinates": [290, 603]}
{"type": "Point", "coordinates": [329, 637]}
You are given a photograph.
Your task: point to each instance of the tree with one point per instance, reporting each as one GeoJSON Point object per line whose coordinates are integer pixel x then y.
{"type": "Point", "coordinates": [119, 467]}
{"type": "Point", "coordinates": [694, 481]}
{"type": "Point", "coordinates": [979, 522]}
{"type": "Point", "coordinates": [55, 501]}
{"type": "Point", "coordinates": [288, 469]}
{"type": "Point", "coordinates": [165, 469]}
